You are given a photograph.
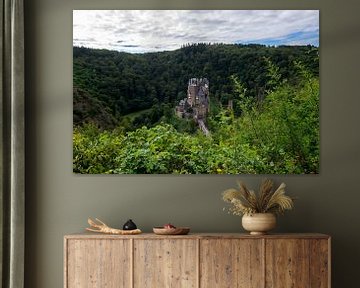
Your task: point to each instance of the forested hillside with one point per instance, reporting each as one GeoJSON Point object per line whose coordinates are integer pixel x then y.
{"type": "Point", "coordinates": [109, 85]}
{"type": "Point", "coordinates": [125, 123]}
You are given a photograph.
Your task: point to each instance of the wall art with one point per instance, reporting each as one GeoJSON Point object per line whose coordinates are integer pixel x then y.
{"type": "Point", "coordinates": [196, 92]}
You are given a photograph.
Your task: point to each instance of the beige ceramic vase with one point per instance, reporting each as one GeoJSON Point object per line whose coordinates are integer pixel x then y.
{"type": "Point", "coordinates": [259, 223]}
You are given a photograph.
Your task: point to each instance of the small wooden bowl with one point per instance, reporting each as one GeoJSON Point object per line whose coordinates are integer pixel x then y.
{"type": "Point", "coordinates": [171, 231]}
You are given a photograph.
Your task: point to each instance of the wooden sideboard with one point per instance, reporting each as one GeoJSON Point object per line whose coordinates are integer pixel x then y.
{"type": "Point", "coordinates": [197, 260]}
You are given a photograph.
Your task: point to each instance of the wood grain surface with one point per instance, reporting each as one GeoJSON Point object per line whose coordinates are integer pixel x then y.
{"type": "Point", "coordinates": [320, 263]}
{"type": "Point", "coordinates": [98, 264]}
{"type": "Point", "coordinates": [287, 263]}
{"type": "Point", "coordinates": [230, 263]}
{"type": "Point", "coordinates": [165, 263]}
{"type": "Point", "coordinates": [197, 261]}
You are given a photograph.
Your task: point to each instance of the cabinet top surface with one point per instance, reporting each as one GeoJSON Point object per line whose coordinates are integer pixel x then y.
{"type": "Point", "coordinates": [87, 235]}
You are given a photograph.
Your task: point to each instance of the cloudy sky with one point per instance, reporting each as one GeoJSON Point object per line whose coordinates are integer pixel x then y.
{"type": "Point", "coordinates": [139, 31]}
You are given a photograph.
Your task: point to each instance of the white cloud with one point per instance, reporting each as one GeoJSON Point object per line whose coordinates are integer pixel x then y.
{"type": "Point", "coordinates": [157, 30]}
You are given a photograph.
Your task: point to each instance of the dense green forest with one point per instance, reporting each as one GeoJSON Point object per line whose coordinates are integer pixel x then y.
{"type": "Point", "coordinates": [124, 120]}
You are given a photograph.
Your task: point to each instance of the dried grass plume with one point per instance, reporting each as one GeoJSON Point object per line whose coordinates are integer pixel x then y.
{"type": "Point", "coordinates": [267, 200]}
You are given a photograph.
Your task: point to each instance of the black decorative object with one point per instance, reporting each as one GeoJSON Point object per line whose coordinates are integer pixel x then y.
{"type": "Point", "coordinates": [129, 225]}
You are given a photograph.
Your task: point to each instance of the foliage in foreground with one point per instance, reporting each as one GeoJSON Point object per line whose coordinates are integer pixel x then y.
{"type": "Point", "coordinates": [278, 135]}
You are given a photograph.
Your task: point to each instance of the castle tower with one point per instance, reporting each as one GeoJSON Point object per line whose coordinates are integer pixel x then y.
{"type": "Point", "coordinates": [198, 96]}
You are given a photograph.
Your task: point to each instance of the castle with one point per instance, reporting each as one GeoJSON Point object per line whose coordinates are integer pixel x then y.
{"type": "Point", "coordinates": [196, 104]}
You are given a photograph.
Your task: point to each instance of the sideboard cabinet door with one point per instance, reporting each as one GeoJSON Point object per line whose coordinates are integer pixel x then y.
{"type": "Point", "coordinates": [297, 263]}
{"type": "Point", "coordinates": [165, 263]}
{"type": "Point", "coordinates": [231, 263]}
{"type": "Point", "coordinates": [320, 263]}
{"type": "Point", "coordinates": [98, 263]}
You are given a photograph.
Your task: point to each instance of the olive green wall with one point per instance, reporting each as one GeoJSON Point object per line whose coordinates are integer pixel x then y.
{"type": "Point", "coordinates": [59, 202]}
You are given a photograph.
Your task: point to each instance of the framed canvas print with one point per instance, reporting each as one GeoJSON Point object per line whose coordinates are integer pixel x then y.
{"type": "Point", "coordinates": [196, 92]}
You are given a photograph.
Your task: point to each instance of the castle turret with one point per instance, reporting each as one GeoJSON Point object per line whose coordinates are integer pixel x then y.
{"type": "Point", "coordinates": [197, 103]}
{"type": "Point", "coordinates": [198, 96]}
{"type": "Point", "coordinates": [197, 99]}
